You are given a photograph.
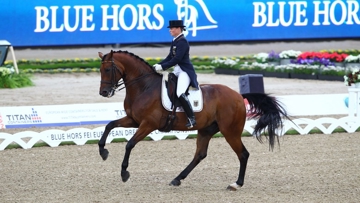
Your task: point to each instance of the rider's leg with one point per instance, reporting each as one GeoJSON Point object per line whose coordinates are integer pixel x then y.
{"type": "Point", "coordinates": [183, 84]}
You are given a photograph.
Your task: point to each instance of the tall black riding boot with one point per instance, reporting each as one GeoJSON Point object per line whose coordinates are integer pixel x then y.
{"type": "Point", "coordinates": [185, 103]}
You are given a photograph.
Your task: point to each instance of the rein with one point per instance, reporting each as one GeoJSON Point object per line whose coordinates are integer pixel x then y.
{"type": "Point", "coordinates": [116, 84]}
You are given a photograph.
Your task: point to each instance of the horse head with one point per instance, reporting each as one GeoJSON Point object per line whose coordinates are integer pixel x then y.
{"type": "Point", "coordinates": [123, 68]}
{"type": "Point", "coordinates": [111, 74]}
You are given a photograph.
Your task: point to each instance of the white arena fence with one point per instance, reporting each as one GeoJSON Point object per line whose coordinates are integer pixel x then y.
{"type": "Point", "coordinates": [87, 114]}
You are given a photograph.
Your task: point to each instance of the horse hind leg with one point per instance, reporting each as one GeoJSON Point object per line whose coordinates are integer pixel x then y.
{"type": "Point", "coordinates": [234, 139]}
{"type": "Point", "coordinates": [202, 143]}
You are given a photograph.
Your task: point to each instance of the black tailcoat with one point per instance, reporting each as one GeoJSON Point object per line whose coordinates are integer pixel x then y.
{"type": "Point", "coordinates": [179, 54]}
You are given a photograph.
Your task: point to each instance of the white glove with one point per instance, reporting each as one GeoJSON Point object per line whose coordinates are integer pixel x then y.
{"type": "Point", "coordinates": [158, 68]}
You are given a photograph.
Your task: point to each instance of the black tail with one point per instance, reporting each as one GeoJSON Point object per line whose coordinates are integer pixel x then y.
{"type": "Point", "coordinates": [270, 115]}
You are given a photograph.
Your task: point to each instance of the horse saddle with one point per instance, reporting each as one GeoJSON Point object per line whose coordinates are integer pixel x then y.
{"type": "Point", "coordinates": [169, 98]}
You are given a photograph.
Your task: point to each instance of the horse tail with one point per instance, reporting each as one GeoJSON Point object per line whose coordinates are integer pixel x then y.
{"type": "Point", "coordinates": [270, 114]}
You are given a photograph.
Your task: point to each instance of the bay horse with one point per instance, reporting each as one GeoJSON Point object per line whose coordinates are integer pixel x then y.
{"type": "Point", "coordinates": [223, 110]}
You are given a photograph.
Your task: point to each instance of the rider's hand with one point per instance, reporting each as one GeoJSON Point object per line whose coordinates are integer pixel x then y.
{"type": "Point", "coordinates": [158, 68]}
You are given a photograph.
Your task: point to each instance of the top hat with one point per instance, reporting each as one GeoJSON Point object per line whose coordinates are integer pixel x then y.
{"type": "Point", "coordinates": [176, 23]}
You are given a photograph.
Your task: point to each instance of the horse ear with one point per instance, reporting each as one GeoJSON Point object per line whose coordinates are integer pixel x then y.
{"type": "Point", "coordinates": [100, 55]}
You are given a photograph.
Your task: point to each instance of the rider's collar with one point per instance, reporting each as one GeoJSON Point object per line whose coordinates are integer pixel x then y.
{"type": "Point", "coordinates": [177, 36]}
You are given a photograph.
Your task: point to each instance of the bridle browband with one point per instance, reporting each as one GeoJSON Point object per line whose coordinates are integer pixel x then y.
{"type": "Point", "coordinates": [116, 84]}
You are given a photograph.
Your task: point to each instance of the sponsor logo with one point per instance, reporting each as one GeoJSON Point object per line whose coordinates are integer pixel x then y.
{"type": "Point", "coordinates": [189, 14]}
{"type": "Point", "coordinates": [29, 118]}
{"type": "Point", "coordinates": [116, 17]}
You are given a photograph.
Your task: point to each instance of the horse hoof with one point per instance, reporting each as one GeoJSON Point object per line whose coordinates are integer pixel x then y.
{"type": "Point", "coordinates": [233, 187]}
{"type": "Point", "coordinates": [125, 176]}
{"type": "Point", "coordinates": [175, 183]}
{"type": "Point", "coordinates": [104, 154]}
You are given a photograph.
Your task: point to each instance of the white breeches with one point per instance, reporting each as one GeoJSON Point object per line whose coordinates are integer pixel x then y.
{"type": "Point", "coordinates": [183, 80]}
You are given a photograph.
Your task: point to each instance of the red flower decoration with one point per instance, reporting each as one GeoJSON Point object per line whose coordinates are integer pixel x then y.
{"type": "Point", "coordinates": [333, 57]}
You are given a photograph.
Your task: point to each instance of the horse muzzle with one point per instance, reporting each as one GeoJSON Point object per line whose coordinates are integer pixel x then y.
{"type": "Point", "coordinates": [107, 92]}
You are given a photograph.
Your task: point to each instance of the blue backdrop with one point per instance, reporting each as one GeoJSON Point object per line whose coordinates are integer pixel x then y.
{"type": "Point", "coordinates": [90, 22]}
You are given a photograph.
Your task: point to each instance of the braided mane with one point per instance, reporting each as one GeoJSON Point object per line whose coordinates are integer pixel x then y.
{"type": "Point", "coordinates": [134, 55]}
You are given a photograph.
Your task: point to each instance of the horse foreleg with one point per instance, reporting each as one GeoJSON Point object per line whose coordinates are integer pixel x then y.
{"type": "Point", "coordinates": [140, 134]}
{"type": "Point", "coordinates": [202, 144]}
{"type": "Point", "coordinates": [123, 122]}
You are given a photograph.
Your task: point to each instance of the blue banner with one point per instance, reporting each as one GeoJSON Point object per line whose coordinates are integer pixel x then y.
{"type": "Point", "coordinates": [84, 22]}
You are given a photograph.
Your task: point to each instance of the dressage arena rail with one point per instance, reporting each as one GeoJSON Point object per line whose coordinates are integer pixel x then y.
{"type": "Point", "coordinates": [80, 136]}
{"type": "Point", "coordinates": [299, 105]}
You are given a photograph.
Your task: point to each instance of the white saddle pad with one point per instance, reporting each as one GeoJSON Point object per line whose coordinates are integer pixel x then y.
{"type": "Point", "coordinates": [195, 97]}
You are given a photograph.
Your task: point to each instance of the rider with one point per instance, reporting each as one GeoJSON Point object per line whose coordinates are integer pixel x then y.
{"type": "Point", "coordinates": [183, 68]}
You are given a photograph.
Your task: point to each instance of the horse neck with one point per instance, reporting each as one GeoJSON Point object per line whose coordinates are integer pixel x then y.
{"type": "Point", "coordinates": [142, 87]}
{"type": "Point", "coordinates": [138, 76]}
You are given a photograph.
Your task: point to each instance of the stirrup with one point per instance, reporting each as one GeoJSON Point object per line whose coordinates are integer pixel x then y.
{"type": "Point", "coordinates": [191, 123]}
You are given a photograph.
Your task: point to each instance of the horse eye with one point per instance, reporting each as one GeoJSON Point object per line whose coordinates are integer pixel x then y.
{"type": "Point", "coordinates": [107, 70]}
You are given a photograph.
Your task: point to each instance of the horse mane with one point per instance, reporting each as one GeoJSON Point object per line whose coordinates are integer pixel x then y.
{"type": "Point", "coordinates": [133, 55]}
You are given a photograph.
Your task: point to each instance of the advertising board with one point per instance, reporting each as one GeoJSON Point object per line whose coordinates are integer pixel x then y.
{"type": "Point", "coordinates": [81, 22]}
